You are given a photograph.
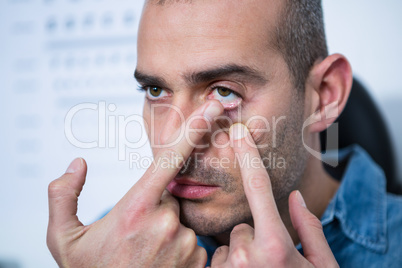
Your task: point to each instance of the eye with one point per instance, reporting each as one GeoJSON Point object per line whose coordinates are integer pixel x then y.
{"type": "Point", "coordinates": [224, 92]}
{"type": "Point", "coordinates": [154, 92]}
{"type": "Point", "coordinates": [227, 97]}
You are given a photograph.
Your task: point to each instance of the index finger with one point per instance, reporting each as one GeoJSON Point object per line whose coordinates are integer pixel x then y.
{"type": "Point", "coordinates": [169, 161]}
{"type": "Point", "coordinates": [256, 182]}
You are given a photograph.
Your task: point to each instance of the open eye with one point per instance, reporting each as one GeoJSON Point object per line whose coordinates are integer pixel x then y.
{"type": "Point", "coordinates": [227, 97]}
{"type": "Point", "coordinates": [154, 92]}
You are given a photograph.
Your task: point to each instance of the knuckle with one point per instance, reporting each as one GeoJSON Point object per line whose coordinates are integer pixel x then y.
{"type": "Point", "coordinates": [189, 239]}
{"type": "Point", "coordinates": [241, 227]}
{"type": "Point", "coordinates": [172, 158]}
{"type": "Point", "coordinates": [315, 223]}
{"type": "Point", "coordinates": [312, 222]}
{"type": "Point", "coordinates": [258, 182]}
{"type": "Point", "coordinates": [221, 250]}
{"type": "Point", "coordinates": [279, 249]}
{"type": "Point", "coordinates": [169, 201]}
{"type": "Point", "coordinates": [198, 258]}
{"type": "Point", "coordinates": [202, 256]}
{"type": "Point", "coordinates": [282, 252]}
{"type": "Point", "coordinates": [282, 257]}
{"type": "Point", "coordinates": [168, 224]}
{"type": "Point", "coordinates": [165, 139]}
{"type": "Point", "coordinates": [57, 188]}
{"type": "Point", "coordinates": [241, 256]}
{"type": "Point", "coordinates": [133, 214]}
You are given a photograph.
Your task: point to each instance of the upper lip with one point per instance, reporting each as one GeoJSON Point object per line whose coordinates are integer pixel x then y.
{"type": "Point", "coordinates": [187, 181]}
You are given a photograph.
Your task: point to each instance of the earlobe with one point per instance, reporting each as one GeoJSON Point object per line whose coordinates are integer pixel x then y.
{"type": "Point", "coordinates": [332, 81]}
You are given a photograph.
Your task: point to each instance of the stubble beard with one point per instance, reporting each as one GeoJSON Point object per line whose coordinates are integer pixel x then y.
{"type": "Point", "coordinates": [197, 214]}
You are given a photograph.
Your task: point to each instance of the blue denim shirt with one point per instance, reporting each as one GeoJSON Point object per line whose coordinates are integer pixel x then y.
{"type": "Point", "coordinates": [362, 223]}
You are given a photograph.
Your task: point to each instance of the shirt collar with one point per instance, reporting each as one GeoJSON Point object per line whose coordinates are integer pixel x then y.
{"type": "Point", "coordinates": [360, 202]}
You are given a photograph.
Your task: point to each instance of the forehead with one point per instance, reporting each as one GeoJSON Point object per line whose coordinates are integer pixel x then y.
{"type": "Point", "coordinates": [205, 32]}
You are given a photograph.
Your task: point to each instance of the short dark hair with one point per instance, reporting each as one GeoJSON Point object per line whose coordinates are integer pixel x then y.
{"type": "Point", "coordinates": [300, 37]}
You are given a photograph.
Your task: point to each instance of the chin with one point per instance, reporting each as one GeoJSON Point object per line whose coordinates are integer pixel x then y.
{"type": "Point", "coordinates": [207, 219]}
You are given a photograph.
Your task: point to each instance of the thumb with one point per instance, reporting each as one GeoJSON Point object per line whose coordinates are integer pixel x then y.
{"type": "Point", "coordinates": [63, 196]}
{"type": "Point", "coordinates": [309, 229]}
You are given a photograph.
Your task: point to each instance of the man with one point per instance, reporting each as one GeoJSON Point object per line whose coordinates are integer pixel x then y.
{"type": "Point", "coordinates": [245, 83]}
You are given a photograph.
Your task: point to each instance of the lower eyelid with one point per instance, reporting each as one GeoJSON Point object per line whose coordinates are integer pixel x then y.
{"type": "Point", "coordinates": [232, 105]}
{"type": "Point", "coordinates": [227, 104]}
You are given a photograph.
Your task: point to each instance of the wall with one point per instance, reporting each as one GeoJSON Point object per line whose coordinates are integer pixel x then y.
{"type": "Point", "coordinates": [369, 34]}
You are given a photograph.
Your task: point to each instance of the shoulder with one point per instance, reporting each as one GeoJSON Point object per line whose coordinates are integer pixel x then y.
{"type": "Point", "coordinates": [366, 228]}
{"type": "Point", "coordinates": [352, 253]}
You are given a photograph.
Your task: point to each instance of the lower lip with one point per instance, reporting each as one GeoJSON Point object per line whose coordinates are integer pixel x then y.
{"type": "Point", "coordinates": [190, 191]}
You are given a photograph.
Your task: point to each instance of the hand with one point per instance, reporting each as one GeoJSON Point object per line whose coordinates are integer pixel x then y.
{"type": "Point", "coordinates": [269, 243]}
{"type": "Point", "coordinates": [143, 229]}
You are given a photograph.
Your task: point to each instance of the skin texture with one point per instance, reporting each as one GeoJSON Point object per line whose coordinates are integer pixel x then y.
{"type": "Point", "coordinates": [204, 44]}
{"type": "Point", "coordinates": [254, 212]}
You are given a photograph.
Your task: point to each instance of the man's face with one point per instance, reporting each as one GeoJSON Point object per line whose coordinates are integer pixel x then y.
{"type": "Point", "coordinates": [189, 53]}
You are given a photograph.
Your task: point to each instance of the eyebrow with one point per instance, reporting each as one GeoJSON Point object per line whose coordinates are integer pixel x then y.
{"type": "Point", "coordinates": [146, 79]}
{"type": "Point", "coordinates": [243, 72]}
{"type": "Point", "coordinates": [239, 71]}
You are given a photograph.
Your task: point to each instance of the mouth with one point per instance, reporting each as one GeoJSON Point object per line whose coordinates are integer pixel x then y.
{"type": "Point", "coordinates": [190, 189]}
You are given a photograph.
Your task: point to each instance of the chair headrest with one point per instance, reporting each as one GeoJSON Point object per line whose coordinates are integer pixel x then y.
{"type": "Point", "coordinates": [362, 123]}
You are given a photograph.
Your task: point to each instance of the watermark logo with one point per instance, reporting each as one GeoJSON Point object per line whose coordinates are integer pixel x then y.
{"type": "Point", "coordinates": [113, 132]}
{"type": "Point", "coordinates": [331, 112]}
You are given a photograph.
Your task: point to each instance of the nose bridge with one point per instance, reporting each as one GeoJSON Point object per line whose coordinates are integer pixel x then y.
{"type": "Point", "coordinates": [186, 105]}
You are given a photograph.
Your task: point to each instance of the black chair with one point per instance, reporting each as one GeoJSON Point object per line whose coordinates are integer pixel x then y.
{"type": "Point", "coordinates": [362, 123]}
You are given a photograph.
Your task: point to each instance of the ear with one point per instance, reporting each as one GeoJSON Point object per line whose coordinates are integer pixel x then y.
{"type": "Point", "coordinates": [331, 81]}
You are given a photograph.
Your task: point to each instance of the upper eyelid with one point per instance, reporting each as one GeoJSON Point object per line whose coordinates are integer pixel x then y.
{"type": "Point", "coordinates": [144, 87]}
{"type": "Point", "coordinates": [213, 87]}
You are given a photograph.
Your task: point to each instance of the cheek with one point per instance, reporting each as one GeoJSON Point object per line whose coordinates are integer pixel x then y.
{"type": "Point", "coordinates": [260, 130]}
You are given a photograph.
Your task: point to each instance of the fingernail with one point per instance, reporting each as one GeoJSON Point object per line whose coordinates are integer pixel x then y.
{"type": "Point", "coordinates": [300, 199]}
{"type": "Point", "coordinates": [238, 131]}
{"type": "Point", "coordinates": [212, 111]}
{"type": "Point", "coordinates": [74, 166]}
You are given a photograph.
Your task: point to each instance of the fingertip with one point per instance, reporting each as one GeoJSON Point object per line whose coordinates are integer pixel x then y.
{"type": "Point", "coordinates": [310, 232]}
{"type": "Point", "coordinates": [295, 209]}
{"type": "Point", "coordinates": [213, 110]}
{"type": "Point", "coordinates": [63, 194]}
{"type": "Point", "coordinates": [299, 213]}
{"type": "Point", "coordinates": [76, 165]}
{"type": "Point", "coordinates": [237, 132]}
{"type": "Point", "coordinates": [300, 199]}
{"type": "Point", "coordinates": [296, 199]}
{"type": "Point", "coordinates": [75, 174]}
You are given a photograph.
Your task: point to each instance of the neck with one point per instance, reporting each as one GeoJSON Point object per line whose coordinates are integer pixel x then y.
{"type": "Point", "coordinates": [318, 188]}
